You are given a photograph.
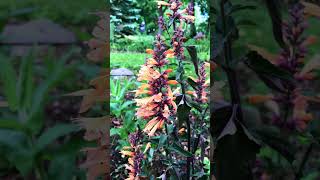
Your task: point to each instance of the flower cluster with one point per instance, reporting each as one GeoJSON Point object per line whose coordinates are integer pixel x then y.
{"type": "Point", "coordinates": [175, 6]}
{"type": "Point", "coordinates": [181, 15]}
{"type": "Point", "coordinates": [200, 93]}
{"type": "Point", "coordinates": [159, 105]}
{"type": "Point", "coordinates": [292, 59]}
{"type": "Point", "coordinates": [161, 23]}
{"type": "Point", "coordinates": [177, 42]}
{"type": "Point", "coordinates": [135, 155]}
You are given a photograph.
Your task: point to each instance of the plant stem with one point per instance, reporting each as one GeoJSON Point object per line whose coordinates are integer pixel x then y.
{"type": "Point", "coordinates": [287, 106]}
{"type": "Point", "coordinates": [188, 122]}
{"type": "Point", "coordinates": [189, 149]}
{"type": "Point", "coordinates": [304, 161]}
{"type": "Point", "coordinates": [41, 172]}
{"type": "Point", "coordinates": [231, 74]}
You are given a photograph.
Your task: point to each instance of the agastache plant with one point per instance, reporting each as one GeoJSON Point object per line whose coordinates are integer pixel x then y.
{"type": "Point", "coordinates": [135, 155]}
{"type": "Point", "coordinates": [279, 135]}
{"type": "Point", "coordinates": [158, 103]}
{"type": "Point", "coordinates": [292, 59]}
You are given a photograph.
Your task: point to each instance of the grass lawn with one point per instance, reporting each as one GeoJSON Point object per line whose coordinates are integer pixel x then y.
{"type": "Point", "coordinates": [130, 60]}
{"type": "Point", "coordinates": [133, 61]}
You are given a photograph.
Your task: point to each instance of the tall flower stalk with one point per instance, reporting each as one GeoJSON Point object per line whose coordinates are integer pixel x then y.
{"type": "Point", "coordinates": [158, 103]}
{"type": "Point", "coordinates": [135, 155]}
{"type": "Point", "coordinates": [292, 59]}
{"type": "Point", "coordinates": [290, 108]}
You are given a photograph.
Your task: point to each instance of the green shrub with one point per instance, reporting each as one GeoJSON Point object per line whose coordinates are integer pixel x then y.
{"type": "Point", "coordinates": [133, 43]}
{"type": "Point", "coordinates": [139, 43]}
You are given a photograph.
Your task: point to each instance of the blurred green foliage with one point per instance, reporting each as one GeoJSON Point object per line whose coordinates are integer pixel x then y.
{"type": "Point", "coordinates": [66, 12]}
{"type": "Point", "coordinates": [27, 144]}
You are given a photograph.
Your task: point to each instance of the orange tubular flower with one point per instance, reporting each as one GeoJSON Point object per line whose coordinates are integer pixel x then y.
{"type": "Point", "coordinates": [135, 156]}
{"type": "Point", "coordinates": [148, 73]}
{"type": "Point", "coordinates": [159, 103]}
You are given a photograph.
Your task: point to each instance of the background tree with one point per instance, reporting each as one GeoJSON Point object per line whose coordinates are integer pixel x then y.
{"type": "Point", "coordinates": [124, 16]}
{"type": "Point", "coordinates": [146, 8]}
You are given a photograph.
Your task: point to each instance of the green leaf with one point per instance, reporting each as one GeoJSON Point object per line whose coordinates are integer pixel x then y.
{"type": "Point", "coordinates": [194, 104]}
{"type": "Point", "coordinates": [62, 167]}
{"type": "Point", "coordinates": [54, 133]}
{"type": "Point", "coordinates": [11, 124]}
{"type": "Point", "coordinates": [163, 139]}
{"type": "Point", "coordinates": [174, 175]}
{"type": "Point", "coordinates": [183, 112]}
{"type": "Point", "coordinates": [272, 137]}
{"type": "Point", "coordinates": [175, 147]}
{"type": "Point", "coordinates": [230, 128]}
{"type": "Point", "coordinates": [261, 65]}
{"type": "Point", "coordinates": [239, 7]}
{"type": "Point", "coordinates": [114, 131]}
{"type": "Point", "coordinates": [193, 84]}
{"type": "Point", "coordinates": [8, 78]}
{"type": "Point", "coordinates": [274, 10]}
{"type": "Point", "coordinates": [234, 153]}
{"type": "Point", "coordinates": [35, 119]}
{"type": "Point", "coordinates": [246, 22]}
{"type": "Point", "coordinates": [25, 82]}
{"type": "Point", "coordinates": [17, 149]}
{"type": "Point", "coordinates": [150, 155]}
{"type": "Point", "coordinates": [194, 58]}
{"type": "Point", "coordinates": [221, 114]}
{"type": "Point", "coordinates": [273, 76]}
